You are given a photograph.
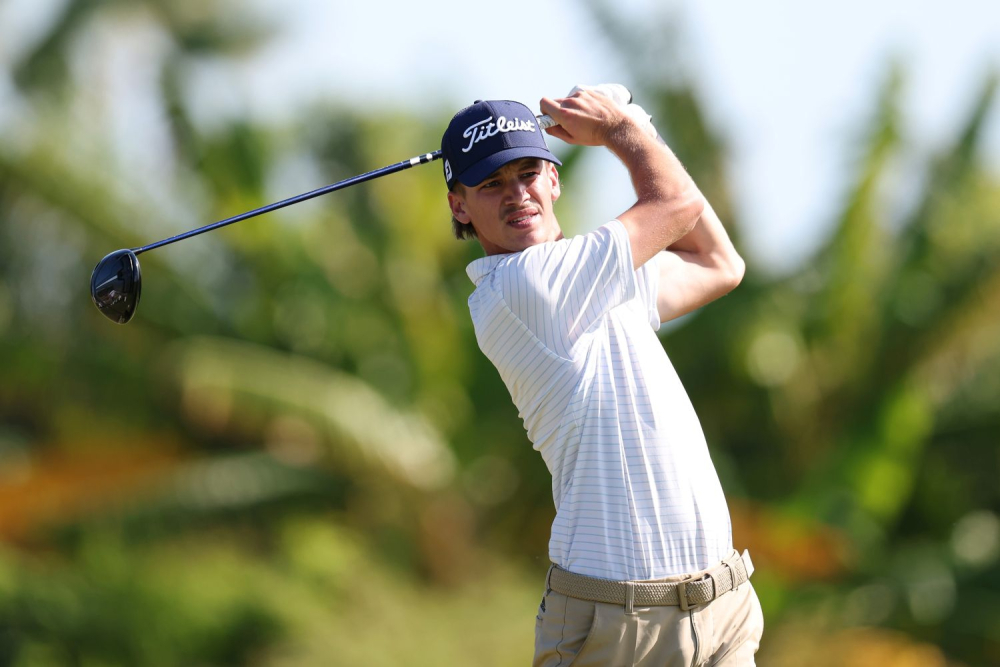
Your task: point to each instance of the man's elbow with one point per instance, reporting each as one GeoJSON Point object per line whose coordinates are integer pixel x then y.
{"type": "Point", "coordinates": [732, 271]}
{"type": "Point", "coordinates": [727, 269]}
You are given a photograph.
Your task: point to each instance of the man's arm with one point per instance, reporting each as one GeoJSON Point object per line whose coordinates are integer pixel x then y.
{"type": "Point", "coordinates": [698, 268]}
{"type": "Point", "coordinates": [668, 204]}
{"type": "Point", "coordinates": [670, 213]}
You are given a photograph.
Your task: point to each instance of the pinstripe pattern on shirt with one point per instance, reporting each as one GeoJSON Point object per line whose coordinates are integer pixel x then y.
{"type": "Point", "coordinates": [570, 327]}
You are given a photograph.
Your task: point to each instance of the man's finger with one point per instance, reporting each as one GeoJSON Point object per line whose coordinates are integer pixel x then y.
{"type": "Point", "coordinates": [552, 106]}
{"type": "Point", "coordinates": [559, 132]}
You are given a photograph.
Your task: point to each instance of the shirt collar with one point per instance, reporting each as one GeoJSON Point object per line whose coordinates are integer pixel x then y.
{"type": "Point", "coordinates": [482, 267]}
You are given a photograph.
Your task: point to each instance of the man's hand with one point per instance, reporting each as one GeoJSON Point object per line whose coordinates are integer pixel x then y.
{"type": "Point", "coordinates": [585, 118]}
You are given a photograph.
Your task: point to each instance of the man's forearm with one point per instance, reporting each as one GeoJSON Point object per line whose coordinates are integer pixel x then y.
{"type": "Point", "coordinates": [707, 237]}
{"type": "Point", "coordinates": [656, 173]}
{"type": "Point", "coordinates": [700, 267]}
{"type": "Point", "coordinates": [668, 203]}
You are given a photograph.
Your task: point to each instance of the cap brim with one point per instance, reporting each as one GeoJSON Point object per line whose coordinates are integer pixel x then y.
{"type": "Point", "coordinates": [478, 172]}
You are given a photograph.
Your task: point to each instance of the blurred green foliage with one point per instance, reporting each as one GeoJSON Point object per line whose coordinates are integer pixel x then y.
{"type": "Point", "coordinates": [295, 453]}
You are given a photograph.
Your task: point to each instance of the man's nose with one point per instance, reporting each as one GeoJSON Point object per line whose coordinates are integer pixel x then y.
{"type": "Point", "coordinates": [514, 190]}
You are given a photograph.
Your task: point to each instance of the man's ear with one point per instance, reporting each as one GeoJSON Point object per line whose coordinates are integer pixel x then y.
{"type": "Point", "coordinates": [554, 180]}
{"type": "Point", "coordinates": [457, 205]}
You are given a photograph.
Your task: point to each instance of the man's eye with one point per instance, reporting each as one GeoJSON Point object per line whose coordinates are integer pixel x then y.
{"type": "Point", "coordinates": [491, 184]}
{"type": "Point", "coordinates": [529, 174]}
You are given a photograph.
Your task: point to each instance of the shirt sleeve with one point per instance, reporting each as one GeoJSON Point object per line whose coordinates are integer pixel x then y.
{"type": "Point", "coordinates": [560, 290]}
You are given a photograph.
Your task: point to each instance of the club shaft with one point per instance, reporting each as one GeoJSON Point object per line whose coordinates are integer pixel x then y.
{"type": "Point", "coordinates": [354, 180]}
{"type": "Point", "coordinates": [544, 122]}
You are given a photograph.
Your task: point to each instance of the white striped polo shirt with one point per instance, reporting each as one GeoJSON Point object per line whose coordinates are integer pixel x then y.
{"type": "Point", "coordinates": [570, 326]}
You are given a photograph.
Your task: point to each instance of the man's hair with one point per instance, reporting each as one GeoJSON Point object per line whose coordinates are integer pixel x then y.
{"type": "Point", "coordinates": [462, 231]}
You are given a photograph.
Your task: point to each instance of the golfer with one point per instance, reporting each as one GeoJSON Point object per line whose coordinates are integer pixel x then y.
{"type": "Point", "coordinates": [643, 567]}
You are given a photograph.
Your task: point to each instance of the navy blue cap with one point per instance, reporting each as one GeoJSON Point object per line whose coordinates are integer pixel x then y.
{"type": "Point", "coordinates": [487, 135]}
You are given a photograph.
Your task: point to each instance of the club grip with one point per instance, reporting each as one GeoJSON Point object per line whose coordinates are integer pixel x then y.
{"type": "Point", "coordinates": [616, 91]}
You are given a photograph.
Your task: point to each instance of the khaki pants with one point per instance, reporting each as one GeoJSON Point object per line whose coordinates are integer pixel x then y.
{"type": "Point", "coordinates": [725, 632]}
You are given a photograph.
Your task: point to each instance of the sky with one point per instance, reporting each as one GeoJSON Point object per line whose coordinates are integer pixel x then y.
{"type": "Point", "coordinates": [790, 85]}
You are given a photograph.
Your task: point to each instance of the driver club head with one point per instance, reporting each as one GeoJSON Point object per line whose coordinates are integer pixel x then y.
{"type": "Point", "coordinates": [115, 285]}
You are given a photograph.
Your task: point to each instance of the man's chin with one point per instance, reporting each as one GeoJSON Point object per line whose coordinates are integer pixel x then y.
{"type": "Point", "coordinates": [526, 241]}
{"type": "Point", "coordinates": [536, 233]}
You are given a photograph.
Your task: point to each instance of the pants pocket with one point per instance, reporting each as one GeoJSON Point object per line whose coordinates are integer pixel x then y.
{"type": "Point", "coordinates": [562, 629]}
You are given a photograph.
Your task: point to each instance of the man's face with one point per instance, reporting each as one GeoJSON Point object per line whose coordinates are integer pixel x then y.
{"type": "Point", "coordinates": [512, 209]}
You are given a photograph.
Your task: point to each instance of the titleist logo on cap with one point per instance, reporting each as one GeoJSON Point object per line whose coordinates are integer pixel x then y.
{"type": "Point", "coordinates": [485, 129]}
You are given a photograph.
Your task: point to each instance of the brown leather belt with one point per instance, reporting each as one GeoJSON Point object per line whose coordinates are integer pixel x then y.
{"type": "Point", "coordinates": [719, 580]}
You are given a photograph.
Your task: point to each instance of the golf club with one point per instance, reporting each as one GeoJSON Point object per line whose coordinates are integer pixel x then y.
{"type": "Point", "coordinates": [116, 283]}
